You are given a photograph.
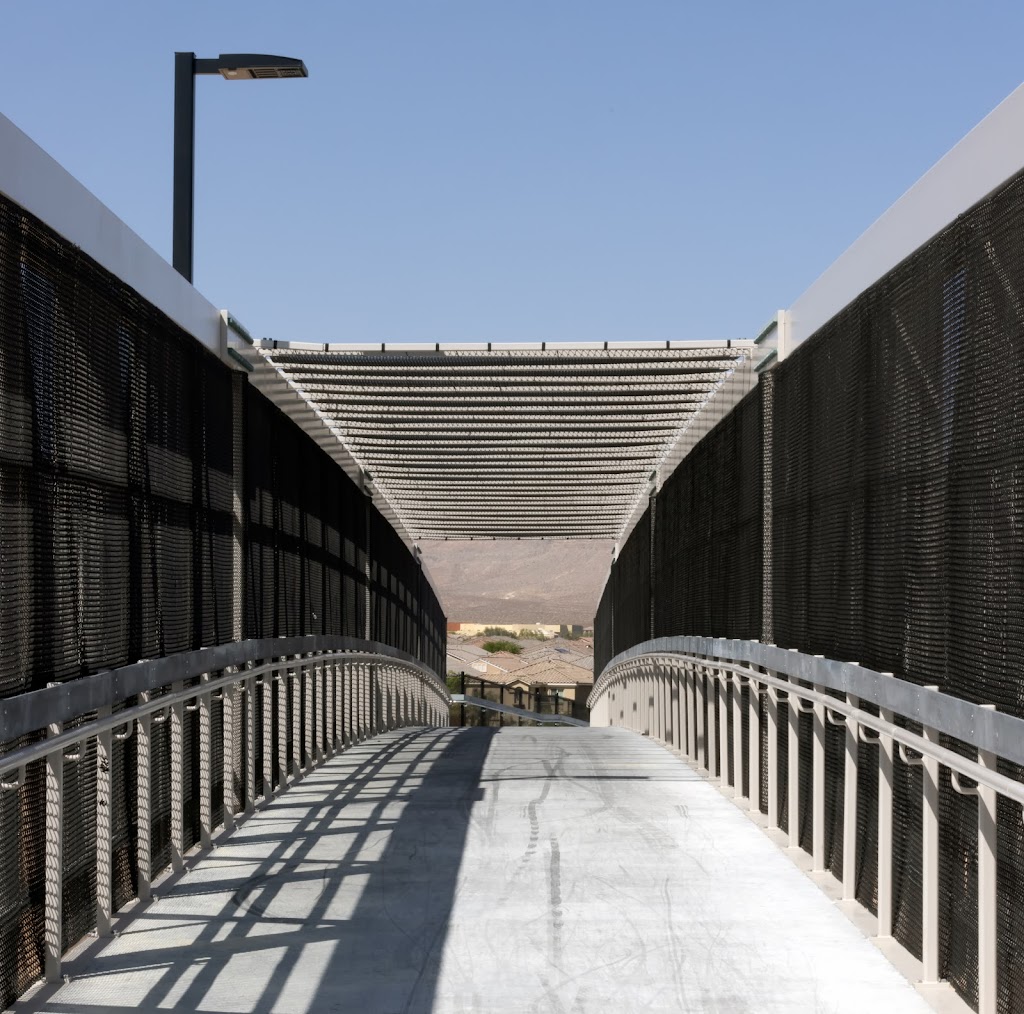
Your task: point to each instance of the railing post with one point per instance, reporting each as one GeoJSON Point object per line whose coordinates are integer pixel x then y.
{"type": "Point", "coordinates": [886, 760]}
{"type": "Point", "coordinates": [283, 681]}
{"type": "Point", "coordinates": [230, 718]}
{"type": "Point", "coordinates": [339, 706]}
{"type": "Point", "coordinates": [818, 788]}
{"type": "Point", "coordinates": [699, 690]}
{"type": "Point", "coordinates": [104, 829]}
{"type": "Point", "coordinates": [309, 686]}
{"type": "Point", "coordinates": [205, 767]}
{"type": "Point", "coordinates": [754, 748]}
{"type": "Point", "coordinates": [987, 912]}
{"type": "Point", "coordinates": [248, 793]}
{"type": "Point", "coordinates": [692, 708]}
{"type": "Point", "coordinates": [930, 862]}
{"type": "Point", "coordinates": [850, 793]}
{"type": "Point", "coordinates": [737, 736]}
{"type": "Point", "coordinates": [674, 709]}
{"type": "Point", "coordinates": [53, 901]}
{"type": "Point", "coordinates": [294, 677]}
{"type": "Point", "coordinates": [177, 732]}
{"type": "Point", "coordinates": [143, 801]}
{"type": "Point", "coordinates": [267, 690]}
{"type": "Point", "coordinates": [793, 765]}
{"type": "Point", "coordinates": [330, 729]}
{"type": "Point", "coordinates": [722, 692]}
{"type": "Point", "coordinates": [772, 774]}
{"type": "Point", "coordinates": [706, 683]}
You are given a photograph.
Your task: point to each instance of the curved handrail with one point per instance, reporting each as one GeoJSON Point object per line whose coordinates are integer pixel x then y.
{"type": "Point", "coordinates": [63, 702]}
{"type": "Point", "coordinates": [976, 724]}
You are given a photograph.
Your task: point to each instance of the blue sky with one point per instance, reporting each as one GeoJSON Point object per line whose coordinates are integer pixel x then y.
{"type": "Point", "coordinates": [458, 170]}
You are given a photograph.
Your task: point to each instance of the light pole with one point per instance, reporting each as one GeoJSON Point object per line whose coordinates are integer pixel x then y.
{"type": "Point", "coordinates": [233, 67]}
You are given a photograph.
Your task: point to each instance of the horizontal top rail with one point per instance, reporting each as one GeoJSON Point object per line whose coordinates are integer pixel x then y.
{"type": "Point", "coordinates": [982, 727]}
{"type": "Point", "coordinates": [37, 709]}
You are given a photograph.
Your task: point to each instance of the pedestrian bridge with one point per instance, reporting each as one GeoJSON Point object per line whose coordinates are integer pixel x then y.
{"type": "Point", "coordinates": [447, 870]}
{"type": "Point", "coordinates": [228, 780]}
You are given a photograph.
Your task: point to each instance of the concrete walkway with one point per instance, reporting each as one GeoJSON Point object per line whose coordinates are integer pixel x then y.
{"type": "Point", "coordinates": [528, 870]}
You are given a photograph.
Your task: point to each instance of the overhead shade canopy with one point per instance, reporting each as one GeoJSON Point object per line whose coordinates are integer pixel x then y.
{"type": "Point", "coordinates": [552, 440]}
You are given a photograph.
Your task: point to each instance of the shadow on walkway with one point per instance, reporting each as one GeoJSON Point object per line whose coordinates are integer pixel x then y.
{"type": "Point", "coordinates": [336, 897]}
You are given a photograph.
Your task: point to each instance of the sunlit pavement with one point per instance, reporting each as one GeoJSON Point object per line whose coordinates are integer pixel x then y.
{"type": "Point", "coordinates": [457, 870]}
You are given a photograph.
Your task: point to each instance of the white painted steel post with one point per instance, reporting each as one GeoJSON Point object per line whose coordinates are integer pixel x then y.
{"type": "Point", "coordinates": [850, 793]}
{"type": "Point", "coordinates": [104, 828]}
{"type": "Point", "coordinates": [706, 724]}
{"type": "Point", "coordinates": [677, 735]}
{"type": "Point", "coordinates": [696, 712]}
{"type": "Point", "coordinates": [930, 862]}
{"type": "Point", "coordinates": [772, 774]}
{"type": "Point", "coordinates": [330, 730]}
{"type": "Point", "coordinates": [177, 732]}
{"type": "Point", "coordinates": [309, 686]}
{"type": "Point", "coordinates": [722, 693]}
{"type": "Point", "coordinates": [248, 793]}
{"type": "Point", "coordinates": [295, 692]}
{"type": "Point", "coordinates": [737, 737]}
{"type": "Point", "coordinates": [53, 898]}
{"type": "Point", "coordinates": [886, 759]}
{"type": "Point", "coordinates": [691, 703]}
{"type": "Point", "coordinates": [988, 913]}
{"type": "Point", "coordinates": [793, 766]}
{"type": "Point", "coordinates": [143, 802]}
{"type": "Point", "coordinates": [283, 681]}
{"type": "Point", "coordinates": [818, 788]}
{"type": "Point", "coordinates": [205, 767]}
{"type": "Point", "coordinates": [230, 714]}
{"type": "Point", "coordinates": [754, 747]}
{"type": "Point", "coordinates": [267, 689]}
{"type": "Point", "coordinates": [339, 706]}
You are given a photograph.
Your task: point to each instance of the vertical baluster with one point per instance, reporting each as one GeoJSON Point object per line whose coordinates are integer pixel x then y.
{"type": "Point", "coordinates": [177, 725]}
{"type": "Point", "coordinates": [295, 695]}
{"type": "Point", "coordinates": [267, 689]}
{"type": "Point", "coordinates": [722, 692]}
{"type": "Point", "coordinates": [886, 758]}
{"type": "Point", "coordinates": [104, 828]}
{"type": "Point", "coordinates": [772, 774]}
{"type": "Point", "coordinates": [249, 794]}
{"type": "Point", "coordinates": [53, 899]}
{"type": "Point", "coordinates": [205, 766]}
{"type": "Point", "coordinates": [850, 792]}
{"type": "Point", "coordinates": [818, 787]}
{"type": "Point", "coordinates": [793, 786]}
{"type": "Point", "coordinates": [230, 717]}
{"type": "Point", "coordinates": [737, 736]}
{"type": "Point", "coordinates": [987, 911]}
{"type": "Point", "coordinates": [754, 747]}
{"type": "Point", "coordinates": [143, 800]}
{"type": "Point", "coordinates": [930, 862]}
{"type": "Point", "coordinates": [309, 685]}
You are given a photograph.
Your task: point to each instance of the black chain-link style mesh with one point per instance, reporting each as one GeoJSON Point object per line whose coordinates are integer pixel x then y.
{"type": "Point", "coordinates": [117, 484]}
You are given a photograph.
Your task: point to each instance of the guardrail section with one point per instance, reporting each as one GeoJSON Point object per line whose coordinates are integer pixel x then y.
{"type": "Point", "coordinates": [735, 710]}
{"type": "Point", "coordinates": [214, 731]}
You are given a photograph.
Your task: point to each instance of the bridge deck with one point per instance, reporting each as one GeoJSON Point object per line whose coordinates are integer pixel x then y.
{"type": "Point", "coordinates": [457, 870]}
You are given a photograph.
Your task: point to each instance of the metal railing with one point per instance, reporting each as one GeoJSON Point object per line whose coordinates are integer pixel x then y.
{"type": "Point", "coordinates": [330, 692]}
{"type": "Point", "coordinates": [673, 688]}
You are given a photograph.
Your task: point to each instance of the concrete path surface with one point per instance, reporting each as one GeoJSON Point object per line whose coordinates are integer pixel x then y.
{"type": "Point", "coordinates": [523, 870]}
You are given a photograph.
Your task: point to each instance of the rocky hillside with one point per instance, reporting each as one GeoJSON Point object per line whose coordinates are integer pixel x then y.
{"type": "Point", "coordinates": [519, 582]}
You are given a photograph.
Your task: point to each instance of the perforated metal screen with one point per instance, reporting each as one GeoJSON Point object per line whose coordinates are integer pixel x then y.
{"type": "Point", "coordinates": [895, 454]}
{"type": "Point", "coordinates": [123, 442]}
